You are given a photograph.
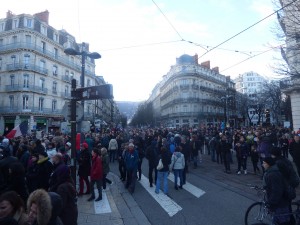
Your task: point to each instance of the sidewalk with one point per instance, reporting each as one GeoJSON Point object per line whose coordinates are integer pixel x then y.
{"type": "Point", "coordinates": [124, 209]}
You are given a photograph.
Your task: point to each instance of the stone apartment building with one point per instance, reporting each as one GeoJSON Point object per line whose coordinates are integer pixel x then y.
{"type": "Point", "coordinates": [36, 74]}
{"type": "Point", "coordinates": [193, 95]}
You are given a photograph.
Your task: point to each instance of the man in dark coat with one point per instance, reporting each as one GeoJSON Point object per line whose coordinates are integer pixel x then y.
{"type": "Point", "coordinates": [152, 156]}
{"type": "Point", "coordinates": [84, 169]}
{"type": "Point", "coordinates": [295, 152]}
{"type": "Point", "coordinates": [45, 168]}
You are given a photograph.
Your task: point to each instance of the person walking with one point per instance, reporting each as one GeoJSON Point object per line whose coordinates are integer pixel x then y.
{"type": "Point", "coordinates": [84, 169]}
{"type": "Point", "coordinates": [96, 175]}
{"type": "Point", "coordinates": [105, 166]}
{"type": "Point", "coordinates": [162, 174]}
{"type": "Point", "coordinates": [225, 147]}
{"type": "Point", "coordinates": [241, 149]}
{"type": "Point", "coordinates": [177, 165]}
{"type": "Point", "coordinates": [131, 164]}
{"type": "Point", "coordinates": [112, 149]}
{"type": "Point", "coordinates": [295, 152]}
{"type": "Point", "coordinates": [152, 156]}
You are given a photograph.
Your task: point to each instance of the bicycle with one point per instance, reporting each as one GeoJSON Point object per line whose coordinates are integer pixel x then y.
{"type": "Point", "coordinates": [258, 213]}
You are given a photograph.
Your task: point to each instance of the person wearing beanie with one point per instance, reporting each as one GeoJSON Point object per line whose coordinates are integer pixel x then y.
{"type": "Point", "coordinates": [44, 168]}
{"type": "Point", "coordinates": [274, 184]}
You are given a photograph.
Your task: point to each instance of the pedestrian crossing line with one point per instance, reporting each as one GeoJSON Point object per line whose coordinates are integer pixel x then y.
{"type": "Point", "coordinates": [170, 206]}
{"type": "Point", "coordinates": [103, 205]}
{"type": "Point", "coordinates": [197, 192]}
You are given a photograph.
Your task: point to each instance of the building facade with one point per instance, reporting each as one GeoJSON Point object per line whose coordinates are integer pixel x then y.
{"type": "Point", "coordinates": [36, 74]}
{"type": "Point", "coordinates": [193, 95]}
{"type": "Point", "coordinates": [289, 22]}
{"type": "Point", "coordinates": [251, 85]}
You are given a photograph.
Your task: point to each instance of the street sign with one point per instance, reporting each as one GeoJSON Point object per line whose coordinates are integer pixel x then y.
{"type": "Point", "coordinates": [66, 110]}
{"type": "Point", "coordinates": [104, 91]}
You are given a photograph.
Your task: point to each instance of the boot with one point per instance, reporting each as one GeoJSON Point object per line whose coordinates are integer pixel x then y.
{"type": "Point", "coordinates": [99, 198]}
{"type": "Point", "coordinates": [91, 198]}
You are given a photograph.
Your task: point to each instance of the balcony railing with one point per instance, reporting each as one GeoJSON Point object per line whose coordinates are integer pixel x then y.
{"type": "Point", "coordinates": [31, 46]}
{"type": "Point", "coordinates": [30, 88]}
{"type": "Point", "coordinates": [20, 66]}
{"type": "Point", "coordinates": [36, 110]}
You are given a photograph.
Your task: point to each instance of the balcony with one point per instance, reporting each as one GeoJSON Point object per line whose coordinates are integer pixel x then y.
{"type": "Point", "coordinates": [38, 49]}
{"type": "Point", "coordinates": [29, 88]}
{"type": "Point", "coordinates": [30, 110]}
{"type": "Point", "coordinates": [31, 67]}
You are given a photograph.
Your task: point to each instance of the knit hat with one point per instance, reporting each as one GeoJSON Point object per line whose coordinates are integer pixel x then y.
{"type": "Point", "coordinates": [69, 144]}
{"type": "Point", "coordinates": [85, 145]}
{"type": "Point", "coordinates": [269, 160]}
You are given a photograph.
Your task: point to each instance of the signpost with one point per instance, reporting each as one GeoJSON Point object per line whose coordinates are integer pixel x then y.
{"type": "Point", "coordinates": [80, 94]}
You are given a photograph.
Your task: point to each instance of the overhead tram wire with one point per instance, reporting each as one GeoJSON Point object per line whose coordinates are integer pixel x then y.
{"type": "Point", "coordinates": [247, 28]}
{"type": "Point", "coordinates": [250, 57]}
{"type": "Point", "coordinates": [142, 45]}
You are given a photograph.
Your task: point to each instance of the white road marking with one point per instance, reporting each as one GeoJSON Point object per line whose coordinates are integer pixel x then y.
{"type": "Point", "coordinates": [163, 200]}
{"type": "Point", "coordinates": [102, 206]}
{"type": "Point", "coordinates": [189, 187]}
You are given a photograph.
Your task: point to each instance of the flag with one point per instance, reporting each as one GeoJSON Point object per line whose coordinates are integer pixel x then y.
{"type": "Point", "coordinates": [19, 130]}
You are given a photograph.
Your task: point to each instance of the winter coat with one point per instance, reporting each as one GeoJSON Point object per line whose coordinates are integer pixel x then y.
{"type": "Point", "coordinates": [131, 160]}
{"type": "Point", "coordinates": [225, 147]}
{"type": "Point", "coordinates": [165, 156]}
{"type": "Point", "coordinates": [45, 169]}
{"type": "Point", "coordinates": [241, 150]}
{"type": "Point", "coordinates": [96, 169]}
{"type": "Point", "coordinates": [152, 154]}
{"type": "Point", "coordinates": [264, 147]}
{"type": "Point", "coordinates": [105, 163]}
{"type": "Point", "coordinates": [177, 161]}
{"type": "Point", "coordinates": [32, 176]}
{"type": "Point", "coordinates": [113, 144]}
{"type": "Point", "coordinates": [84, 163]}
{"type": "Point", "coordinates": [195, 146]}
{"type": "Point", "coordinates": [295, 152]}
{"type": "Point", "coordinates": [43, 201]}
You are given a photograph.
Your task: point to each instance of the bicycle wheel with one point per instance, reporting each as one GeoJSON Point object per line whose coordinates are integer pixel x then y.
{"type": "Point", "coordinates": [256, 214]}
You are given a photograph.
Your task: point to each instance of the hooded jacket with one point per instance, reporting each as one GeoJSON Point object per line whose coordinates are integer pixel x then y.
{"type": "Point", "coordinates": [177, 161]}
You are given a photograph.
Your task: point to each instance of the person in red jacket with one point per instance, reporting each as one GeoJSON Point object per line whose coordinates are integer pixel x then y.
{"type": "Point", "coordinates": [96, 175]}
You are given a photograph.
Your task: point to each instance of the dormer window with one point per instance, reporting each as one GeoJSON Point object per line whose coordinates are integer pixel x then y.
{"type": "Point", "coordinates": [28, 22]}
{"type": "Point", "coordinates": [2, 26]}
{"type": "Point", "coordinates": [15, 24]}
{"type": "Point", "coordinates": [44, 30]}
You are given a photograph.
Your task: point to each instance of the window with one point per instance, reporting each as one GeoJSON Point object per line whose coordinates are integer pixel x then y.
{"type": "Point", "coordinates": [26, 61]}
{"type": "Point", "coordinates": [54, 87]}
{"type": "Point", "coordinates": [55, 37]}
{"type": "Point", "coordinates": [43, 46]}
{"type": "Point", "coordinates": [71, 75]}
{"type": "Point", "coordinates": [2, 26]}
{"type": "Point", "coordinates": [88, 83]}
{"type": "Point", "coordinates": [0, 63]}
{"type": "Point", "coordinates": [15, 24]}
{"type": "Point", "coordinates": [26, 81]}
{"type": "Point", "coordinates": [55, 53]}
{"type": "Point", "coordinates": [54, 105]}
{"type": "Point", "coordinates": [11, 102]}
{"type": "Point", "coordinates": [28, 39]}
{"type": "Point", "coordinates": [43, 30]}
{"type": "Point", "coordinates": [1, 42]}
{"type": "Point", "coordinates": [12, 80]}
{"type": "Point", "coordinates": [14, 39]}
{"type": "Point", "coordinates": [54, 70]}
{"type": "Point", "coordinates": [25, 102]}
{"type": "Point", "coordinates": [42, 83]}
{"type": "Point", "coordinates": [41, 104]}
{"type": "Point", "coordinates": [66, 90]}
{"type": "Point", "coordinates": [28, 23]}
{"type": "Point", "coordinates": [42, 65]}
{"type": "Point", "coordinates": [13, 59]}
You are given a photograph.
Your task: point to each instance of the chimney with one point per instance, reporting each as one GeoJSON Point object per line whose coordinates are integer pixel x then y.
{"type": "Point", "coordinates": [206, 64]}
{"type": "Point", "coordinates": [9, 14]}
{"type": "Point", "coordinates": [196, 59]}
{"type": "Point", "coordinates": [43, 16]}
{"type": "Point", "coordinates": [216, 69]}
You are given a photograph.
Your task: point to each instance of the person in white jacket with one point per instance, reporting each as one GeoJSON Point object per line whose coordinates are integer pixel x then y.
{"type": "Point", "coordinates": [112, 149]}
{"type": "Point", "coordinates": [177, 165]}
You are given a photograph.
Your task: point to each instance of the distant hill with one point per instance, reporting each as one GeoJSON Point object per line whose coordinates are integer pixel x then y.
{"type": "Point", "coordinates": [127, 108]}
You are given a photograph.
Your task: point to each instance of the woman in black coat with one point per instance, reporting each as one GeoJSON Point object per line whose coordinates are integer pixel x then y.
{"type": "Point", "coordinates": [84, 169]}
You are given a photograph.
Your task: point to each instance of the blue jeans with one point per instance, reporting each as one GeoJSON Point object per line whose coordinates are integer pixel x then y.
{"type": "Point", "coordinates": [178, 173]}
{"type": "Point", "coordinates": [161, 175]}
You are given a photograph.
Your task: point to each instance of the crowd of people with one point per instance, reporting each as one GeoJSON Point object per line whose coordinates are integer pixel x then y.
{"type": "Point", "coordinates": [35, 172]}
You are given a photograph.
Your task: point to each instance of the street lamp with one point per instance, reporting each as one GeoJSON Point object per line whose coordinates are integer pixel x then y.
{"type": "Point", "coordinates": [84, 54]}
{"type": "Point", "coordinates": [226, 107]}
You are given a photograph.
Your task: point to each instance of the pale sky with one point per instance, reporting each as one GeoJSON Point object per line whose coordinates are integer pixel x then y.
{"type": "Point", "coordinates": [139, 41]}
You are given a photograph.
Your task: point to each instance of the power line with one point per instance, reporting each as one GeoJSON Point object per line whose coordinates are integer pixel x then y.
{"type": "Point", "coordinates": [247, 28]}
{"type": "Point", "coordinates": [141, 45]}
{"type": "Point", "coordinates": [168, 21]}
{"type": "Point", "coordinates": [250, 58]}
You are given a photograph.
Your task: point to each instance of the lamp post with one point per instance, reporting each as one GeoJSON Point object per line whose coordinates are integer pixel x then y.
{"type": "Point", "coordinates": [84, 54]}
{"type": "Point", "coordinates": [226, 97]}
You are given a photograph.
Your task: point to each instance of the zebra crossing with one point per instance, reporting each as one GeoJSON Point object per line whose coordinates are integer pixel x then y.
{"type": "Point", "coordinates": [168, 204]}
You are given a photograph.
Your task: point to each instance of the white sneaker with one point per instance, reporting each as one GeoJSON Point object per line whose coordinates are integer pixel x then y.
{"type": "Point", "coordinates": [245, 172]}
{"type": "Point", "coordinates": [238, 172]}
